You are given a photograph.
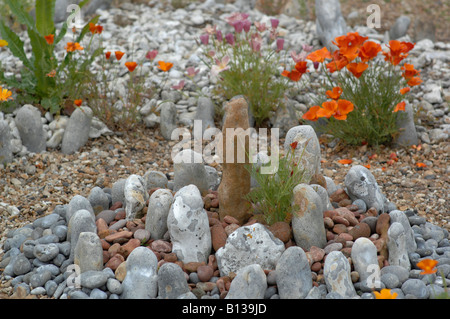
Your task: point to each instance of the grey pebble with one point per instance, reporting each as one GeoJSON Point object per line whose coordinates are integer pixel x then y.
{"type": "Point", "coordinates": [416, 288]}
{"type": "Point", "coordinates": [98, 294]}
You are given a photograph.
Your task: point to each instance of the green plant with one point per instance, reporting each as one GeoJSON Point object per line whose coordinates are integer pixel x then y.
{"type": "Point", "coordinates": [364, 92]}
{"type": "Point", "coordinates": [273, 195]}
{"type": "Point", "coordinates": [43, 78]}
{"type": "Point", "coordinates": [245, 63]}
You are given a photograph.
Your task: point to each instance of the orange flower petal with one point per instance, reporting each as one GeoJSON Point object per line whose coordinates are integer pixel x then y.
{"type": "Point", "coordinates": [108, 55]}
{"type": "Point", "coordinates": [335, 93]}
{"type": "Point", "coordinates": [131, 66]}
{"type": "Point", "coordinates": [357, 69]}
{"type": "Point", "coordinates": [369, 50]}
{"type": "Point", "coordinates": [319, 55]}
{"type": "Point", "coordinates": [405, 90]}
{"type": "Point", "coordinates": [400, 107]}
{"type": "Point", "coordinates": [328, 109]}
{"type": "Point", "coordinates": [119, 55]}
{"type": "Point", "coordinates": [421, 165]}
{"type": "Point", "coordinates": [414, 81]}
{"type": "Point", "coordinates": [311, 115]}
{"type": "Point", "coordinates": [345, 161]}
{"type": "Point", "coordinates": [78, 102]}
{"type": "Point", "coordinates": [301, 67]}
{"type": "Point", "coordinates": [385, 294]}
{"type": "Point", "coordinates": [165, 66]}
{"type": "Point", "coordinates": [428, 266]}
{"type": "Point", "coordinates": [50, 38]}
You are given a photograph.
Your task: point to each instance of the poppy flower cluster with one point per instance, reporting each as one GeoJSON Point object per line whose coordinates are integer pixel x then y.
{"type": "Point", "coordinates": [337, 108]}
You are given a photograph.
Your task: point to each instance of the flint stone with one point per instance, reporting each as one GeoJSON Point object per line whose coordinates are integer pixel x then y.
{"type": "Point", "coordinates": [293, 274]}
{"type": "Point", "coordinates": [398, 254]}
{"type": "Point", "coordinates": [247, 245]}
{"type": "Point", "coordinates": [77, 131]}
{"type": "Point", "coordinates": [329, 22]}
{"type": "Point", "coordinates": [158, 210]}
{"type": "Point", "coordinates": [21, 265]}
{"type": "Point", "coordinates": [155, 179]}
{"type": "Point", "coordinates": [189, 169]}
{"type": "Point", "coordinates": [205, 113]}
{"type": "Point", "coordinates": [46, 252]}
{"type": "Point", "coordinates": [168, 120]}
{"type": "Point", "coordinates": [77, 203]}
{"type": "Point", "coordinates": [81, 221]}
{"type": "Point", "coordinates": [88, 252]}
{"type": "Point", "coordinates": [117, 192]}
{"type": "Point", "coordinates": [171, 281]}
{"type": "Point", "coordinates": [141, 280]}
{"type": "Point", "coordinates": [365, 262]}
{"type": "Point", "coordinates": [407, 129]}
{"type": "Point", "coordinates": [415, 287]}
{"type": "Point", "coordinates": [188, 226]}
{"type": "Point", "coordinates": [307, 221]}
{"type": "Point", "coordinates": [93, 279]}
{"type": "Point", "coordinates": [29, 124]}
{"type": "Point", "coordinates": [401, 273]}
{"type": "Point", "coordinates": [6, 155]}
{"type": "Point", "coordinates": [98, 200]}
{"type": "Point", "coordinates": [135, 192]}
{"type": "Point", "coordinates": [361, 184]}
{"type": "Point", "coordinates": [322, 192]}
{"type": "Point", "coordinates": [305, 136]}
{"type": "Point", "coordinates": [336, 273]}
{"type": "Point", "coordinates": [46, 221]}
{"type": "Point", "coordinates": [400, 27]}
{"type": "Point", "coordinates": [250, 283]}
{"type": "Point", "coordinates": [400, 217]}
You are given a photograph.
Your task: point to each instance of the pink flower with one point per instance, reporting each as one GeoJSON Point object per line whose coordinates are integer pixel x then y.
{"type": "Point", "coordinates": [191, 71]}
{"type": "Point", "coordinates": [238, 26]}
{"type": "Point", "coordinates": [210, 29]}
{"type": "Point", "coordinates": [307, 48]}
{"type": "Point", "coordinates": [219, 36]}
{"type": "Point", "coordinates": [246, 24]}
{"type": "Point", "coordinates": [280, 44]}
{"type": "Point", "coordinates": [274, 23]}
{"type": "Point", "coordinates": [204, 38]}
{"type": "Point", "coordinates": [256, 42]}
{"type": "Point", "coordinates": [179, 86]}
{"type": "Point", "coordinates": [151, 55]}
{"type": "Point", "coordinates": [298, 57]}
{"type": "Point", "coordinates": [235, 17]}
{"type": "Point", "coordinates": [230, 38]}
{"type": "Point", "coordinates": [220, 66]}
{"type": "Point", "coordinates": [211, 53]}
{"type": "Point", "coordinates": [261, 27]}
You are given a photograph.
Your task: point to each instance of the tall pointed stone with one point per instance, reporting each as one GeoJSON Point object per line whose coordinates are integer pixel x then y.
{"type": "Point", "coordinates": [235, 182]}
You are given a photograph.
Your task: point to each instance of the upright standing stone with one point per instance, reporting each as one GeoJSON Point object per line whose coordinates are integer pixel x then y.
{"type": "Point", "coordinates": [364, 257]}
{"type": "Point", "coordinates": [400, 217]}
{"type": "Point", "coordinates": [235, 183]}
{"type": "Point", "coordinates": [171, 281]}
{"type": "Point", "coordinates": [136, 196]}
{"type": "Point", "coordinates": [329, 22]}
{"type": "Point", "coordinates": [189, 169]}
{"type": "Point", "coordinates": [158, 210]}
{"type": "Point", "coordinates": [98, 199]}
{"type": "Point", "coordinates": [250, 283]}
{"type": "Point", "coordinates": [293, 274]}
{"type": "Point", "coordinates": [188, 226]}
{"type": "Point", "coordinates": [307, 221]}
{"type": "Point", "coordinates": [205, 112]}
{"type": "Point", "coordinates": [155, 179]}
{"type": "Point", "coordinates": [361, 184]}
{"type": "Point", "coordinates": [76, 203]}
{"type": "Point", "coordinates": [6, 155]}
{"type": "Point", "coordinates": [253, 244]}
{"type": "Point", "coordinates": [336, 273]}
{"type": "Point", "coordinates": [400, 27]}
{"type": "Point", "coordinates": [168, 119]}
{"type": "Point", "coordinates": [398, 254]}
{"type": "Point", "coordinates": [88, 252]}
{"type": "Point", "coordinates": [77, 131]}
{"type": "Point", "coordinates": [307, 146]}
{"type": "Point", "coordinates": [141, 280]}
{"type": "Point", "coordinates": [407, 129]}
{"type": "Point", "coordinates": [80, 222]}
{"type": "Point", "coordinates": [31, 130]}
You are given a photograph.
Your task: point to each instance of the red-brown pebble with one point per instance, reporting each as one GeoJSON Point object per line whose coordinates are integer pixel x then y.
{"type": "Point", "coordinates": [205, 273]}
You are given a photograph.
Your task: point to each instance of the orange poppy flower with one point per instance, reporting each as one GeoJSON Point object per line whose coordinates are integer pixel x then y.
{"type": "Point", "coordinates": [131, 66]}
{"type": "Point", "coordinates": [335, 93]}
{"type": "Point", "coordinates": [50, 38]}
{"type": "Point", "coordinates": [165, 66]}
{"type": "Point", "coordinates": [301, 67]}
{"type": "Point", "coordinates": [414, 81]}
{"type": "Point", "coordinates": [345, 161]}
{"type": "Point", "coordinates": [119, 55]}
{"type": "Point", "coordinates": [294, 75]}
{"type": "Point", "coordinates": [357, 69]}
{"type": "Point", "coordinates": [319, 55]}
{"type": "Point", "coordinates": [311, 115]}
{"type": "Point", "coordinates": [421, 165]}
{"type": "Point", "coordinates": [344, 107]}
{"type": "Point", "coordinates": [400, 107]}
{"type": "Point", "coordinates": [385, 294]}
{"type": "Point", "coordinates": [328, 109]}
{"type": "Point", "coordinates": [428, 266]}
{"type": "Point", "coordinates": [108, 55]}
{"type": "Point", "coordinates": [95, 28]}
{"type": "Point", "coordinates": [369, 50]}
{"type": "Point", "coordinates": [405, 90]}
{"type": "Point", "coordinates": [294, 145]}
{"type": "Point", "coordinates": [398, 51]}
{"type": "Point", "coordinates": [73, 46]}
{"type": "Point", "coordinates": [410, 72]}
{"type": "Point", "coordinates": [78, 102]}
{"type": "Point", "coordinates": [5, 94]}
{"type": "Point", "coordinates": [367, 166]}
{"type": "Point", "coordinates": [349, 45]}
{"type": "Point", "coordinates": [393, 156]}
{"type": "Point", "coordinates": [338, 63]}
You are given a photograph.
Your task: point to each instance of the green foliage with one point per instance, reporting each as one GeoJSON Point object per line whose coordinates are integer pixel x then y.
{"type": "Point", "coordinates": [35, 85]}
{"type": "Point", "coordinates": [374, 96]}
{"type": "Point", "coordinates": [273, 195]}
